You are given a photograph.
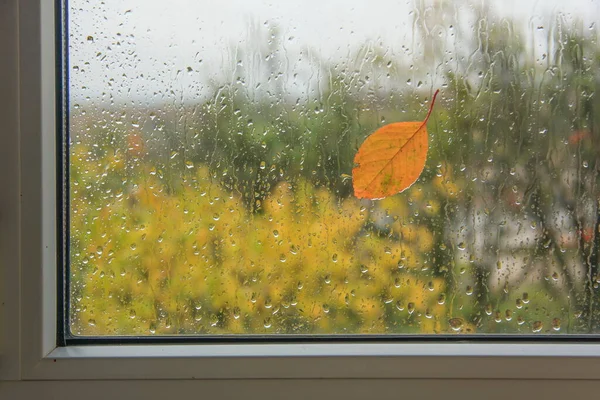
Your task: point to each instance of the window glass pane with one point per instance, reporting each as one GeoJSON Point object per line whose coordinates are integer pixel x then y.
{"type": "Point", "coordinates": [212, 147]}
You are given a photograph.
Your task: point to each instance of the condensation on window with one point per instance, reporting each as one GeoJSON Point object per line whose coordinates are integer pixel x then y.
{"type": "Point", "coordinates": [212, 147]}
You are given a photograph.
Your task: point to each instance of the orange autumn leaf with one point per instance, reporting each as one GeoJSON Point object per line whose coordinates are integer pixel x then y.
{"type": "Point", "coordinates": [391, 159]}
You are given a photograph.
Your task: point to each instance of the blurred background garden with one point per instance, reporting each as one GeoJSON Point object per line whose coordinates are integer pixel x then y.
{"type": "Point", "coordinates": [211, 192]}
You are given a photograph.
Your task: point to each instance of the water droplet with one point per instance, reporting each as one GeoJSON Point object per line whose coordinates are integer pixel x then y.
{"type": "Point", "coordinates": [441, 299]}
{"type": "Point", "coordinates": [462, 246]}
{"type": "Point", "coordinates": [456, 324]}
{"type": "Point", "coordinates": [498, 317]}
{"type": "Point", "coordinates": [276, 233]}
{"type": "Point", "coordinates": [92, 322]}
{"type": "Point", "coordinates": [556, 324]}
{"type": "Point", "coordinates": [410, 308]}
{"type": "Point", "coordinates": [267, 323]}
{"type": "Point", "coordinates": [282, 258]}
{"type": "Point", "coordinates": [469, 290]}
{"type": "Point", "coordinates": [132, 314]}
{"type": "Point", "coordinates": [537, 326]}
{"type": "Point", "coordinates": [334, 257]}
{"type": "Point", "coordinates": [519, 303]}
{"type": "Point", "coordinates": [488, 309]}
{"type": "Point", "coordinates": [525, 297]}
{"type": "Point", "coordinates": [263, 165]}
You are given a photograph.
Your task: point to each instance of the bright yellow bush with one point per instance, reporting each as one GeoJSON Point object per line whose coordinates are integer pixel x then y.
{"type": "Point", "coordinates": [186, 257]}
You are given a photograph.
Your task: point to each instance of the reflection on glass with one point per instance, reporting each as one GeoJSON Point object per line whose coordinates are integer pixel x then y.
{"type": "Point", "coordinates": [211, 153]}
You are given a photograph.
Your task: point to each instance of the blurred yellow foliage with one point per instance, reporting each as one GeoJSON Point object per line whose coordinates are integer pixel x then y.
{"type": "Point", "coordinates": [158, 257]}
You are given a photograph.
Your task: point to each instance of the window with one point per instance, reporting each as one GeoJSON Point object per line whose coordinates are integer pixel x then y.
{"type": "Point", "coordinates": [31, 361]}
{"type": "Point", "coordinates": [211, 158]}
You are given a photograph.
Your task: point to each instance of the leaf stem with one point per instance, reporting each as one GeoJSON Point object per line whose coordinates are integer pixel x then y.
{"type": "Point", "coordinates": [431, 106]}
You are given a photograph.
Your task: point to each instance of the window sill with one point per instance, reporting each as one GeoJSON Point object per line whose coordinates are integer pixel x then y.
{"type": "Point", "coordinates": [304, 361]}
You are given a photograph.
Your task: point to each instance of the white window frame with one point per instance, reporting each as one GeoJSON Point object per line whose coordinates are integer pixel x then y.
{"type": "Point", "coordinates": [32, 364]}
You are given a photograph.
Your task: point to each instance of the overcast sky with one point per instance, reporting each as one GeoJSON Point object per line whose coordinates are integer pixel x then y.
{"type": "Point", "coordinates": [156, 49]}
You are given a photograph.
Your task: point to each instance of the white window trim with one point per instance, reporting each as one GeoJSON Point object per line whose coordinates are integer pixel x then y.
{"type": "Point", "coordinates": [28, 288]}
